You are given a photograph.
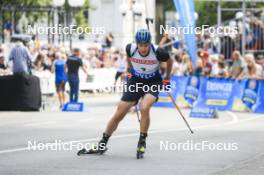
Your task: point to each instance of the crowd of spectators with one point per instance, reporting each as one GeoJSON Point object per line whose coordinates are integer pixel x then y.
{"type": "Point", "coordinates": [221, 56]}
{"type": "Point", "coordinates": [246, 67]}
{"type": "Point", "coordinates": [43, 57]}
{"type": "Point", "coordinates": [212, 65]}
{"type": "Point", "coordinates": [209, 62]}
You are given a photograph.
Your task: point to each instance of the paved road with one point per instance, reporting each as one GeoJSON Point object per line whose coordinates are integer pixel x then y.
{"type": "Point", "coordinates": [245, 132]}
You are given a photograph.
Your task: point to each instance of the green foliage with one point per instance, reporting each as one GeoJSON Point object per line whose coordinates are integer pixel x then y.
{"type": "Point", "coordinates": [35, 16]}
{"type": "Point", "coordinates": [32, 16]}
{"type": "Point", "coordinates": [25, 2]}
{"type": "Point", "coordinates": [79, 16]}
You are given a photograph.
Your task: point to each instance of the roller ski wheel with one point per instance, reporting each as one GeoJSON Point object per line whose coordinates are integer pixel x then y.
{"type": "Point", "coordinates": [141, 150]}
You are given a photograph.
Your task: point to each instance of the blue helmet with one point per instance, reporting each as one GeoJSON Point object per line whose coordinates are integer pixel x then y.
{"type": "Point", "coordinates": [143, 36]}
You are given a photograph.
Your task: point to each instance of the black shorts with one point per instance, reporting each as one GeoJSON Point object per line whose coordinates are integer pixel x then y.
{"type": "Point", "coordinates": [118, 74]}
{"type": "Point", "coordinates": [134, 94]}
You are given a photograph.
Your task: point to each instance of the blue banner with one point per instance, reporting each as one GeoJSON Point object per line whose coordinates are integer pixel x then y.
{"type": "Point", "coordinates": [186, 11]}
{"type": "Point", "coordinates": [247, 95]}
{"type": "Point", "coordinates": [202, 93]}
{"type": "Point", "coordinates": [192, 90]}
{"type": "Point", "coordinates": [178, 88]}
{"type": "Point", "coordinates": [259, 107]}
{"type": "Point", "coordinates": [216, 93]}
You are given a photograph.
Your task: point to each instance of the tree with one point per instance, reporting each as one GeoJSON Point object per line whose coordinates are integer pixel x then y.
{"type": "Point", "coordinates": [31, 16]}
{"type": "Point", "coordinates": [35, 16]}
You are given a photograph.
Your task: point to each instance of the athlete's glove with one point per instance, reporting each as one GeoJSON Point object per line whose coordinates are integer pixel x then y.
{"type": "Point", "coordinates": [166, 85]}
{"type": "Point", "coordinates": [129, 73]}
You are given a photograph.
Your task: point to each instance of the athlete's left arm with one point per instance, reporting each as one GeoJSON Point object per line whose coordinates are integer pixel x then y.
{"type": "Point", "coordinates": [164, 56]}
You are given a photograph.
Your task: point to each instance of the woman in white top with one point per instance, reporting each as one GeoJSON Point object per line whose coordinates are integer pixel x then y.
{"type": "Point", "coordinates": [252, 70]}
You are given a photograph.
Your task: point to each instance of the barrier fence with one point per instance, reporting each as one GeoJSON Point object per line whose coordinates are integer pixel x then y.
{"type": "Point", "coordinates": [98, 79]}
{"type": "Point", "coordinates": [215, 93]}
{"type": "Point", "coordinates": [192, 91]}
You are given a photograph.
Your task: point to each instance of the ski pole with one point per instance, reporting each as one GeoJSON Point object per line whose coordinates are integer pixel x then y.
{"type": "Point", "coordinates": [178, 109]}
{"type": "Point", "coordinates": [137, 113]}
{"type": "Point", "coordinates": [147, 20]}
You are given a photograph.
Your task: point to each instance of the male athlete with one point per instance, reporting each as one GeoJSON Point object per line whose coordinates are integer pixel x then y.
{"type": "Point", "coordinates": [143, 70]}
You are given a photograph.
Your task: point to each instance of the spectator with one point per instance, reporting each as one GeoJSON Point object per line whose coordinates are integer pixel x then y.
{"type": "Point", "coordinates": [215, 66]}
{"type": "Point", "coordinates": [1, 49]}
{"type": "Point", "coordinates": [3, 67]}
{"type": "Point", "coordinates": [21, 59]}
{"type": "Point", "coordinates": [200, 41]}
{"type": "Point", "coordinates": [2, 63]}
{"type": "Point", "coordinates": [186, 66]}
{"type": "Point", "coordinates": [92, 57]}
{"type": "Point", "coordinates": [262, 72]}
{"type": "Point", "coordinates": [189, 65]}
{"type": "Point", "coordinates": [120, 66]}
{"type": "Point", "coordinates": [176, 66]}
{"type": "Point", "coordinates": [207, 69]}
{"type": "Point", "coordinates": [109, 40]}
{"type": "Point", "coordinates": [73, 64]}
{"type": "Point", "coordinates": [165, 40]}
{"type": "Point", "coordinates": [252, 70]}
{"type": "Point", "coordinates": [237, 65]}
{"type": "Point", "coordinates": [39, 64]}
{"type": "Point", "coordinates": [205, 55]}
{"type": "Point", "coordinates": [7, 28]}
{"type": "Point", "coordinates": [222, 69]}
{"type": "Point", "coordinates": [199, 67]}
{"type": "Point", "coordinates": [60, 77]}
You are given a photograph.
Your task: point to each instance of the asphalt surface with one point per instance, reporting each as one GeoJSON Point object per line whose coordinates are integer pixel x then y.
{"type": "Point", "coordinates": [244, 131]}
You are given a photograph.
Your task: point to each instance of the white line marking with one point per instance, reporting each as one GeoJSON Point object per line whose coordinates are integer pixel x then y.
{"type": "Point", "coordinates": [14, 150]}
{"type": "Point", "coordinates": [233, 121]}
{"type": "Point", "coordinates": [88, 120]}
{"type": "Point", "coordinates": [40, 123]}
{"type": "Point", "coordinates": [233, 115]}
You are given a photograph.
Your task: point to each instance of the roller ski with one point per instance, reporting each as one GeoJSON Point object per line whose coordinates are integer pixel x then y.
{"type": "Point", "coordinates": [96, 149]}
{"type": "Point", "coordinates": [141, 146]}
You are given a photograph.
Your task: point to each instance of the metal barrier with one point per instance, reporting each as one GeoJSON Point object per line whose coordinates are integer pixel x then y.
{"type": "Point", "coordinates": [98, 79]}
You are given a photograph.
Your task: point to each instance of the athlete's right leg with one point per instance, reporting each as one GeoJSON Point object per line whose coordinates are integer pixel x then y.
{"type": "Point", "coordinates": [122, 109]}
{"type": "Point", "coordinates": [120, 113]}
{"type": "Point", "coordinates": [128, 99]}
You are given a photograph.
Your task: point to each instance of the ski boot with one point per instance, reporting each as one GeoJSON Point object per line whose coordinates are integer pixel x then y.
{"type": "Point", "coordinates": [141, 147]}
{"type": "Point", "coordinates": [96, 149]}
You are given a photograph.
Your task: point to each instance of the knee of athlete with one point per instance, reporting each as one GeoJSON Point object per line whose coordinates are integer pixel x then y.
{"type": "Point", "coordinates": [117, 116]}
{"type": "Point", "coordinates": [144, 109]}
